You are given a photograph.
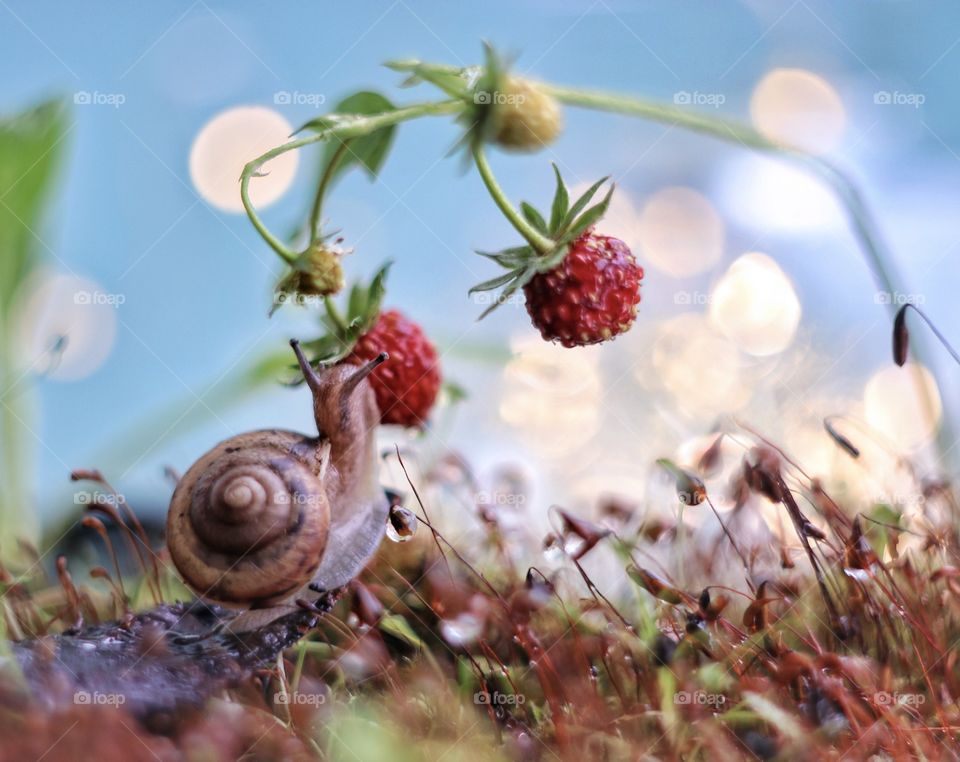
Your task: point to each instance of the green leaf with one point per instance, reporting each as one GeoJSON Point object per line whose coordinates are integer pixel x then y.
{"type": "Point", "coordinates": [454, 82]}
{"type": "Point", "coordinates": [398, 627]}
{"type": "Point", "coordinates": [357, 304]}
{"type": "Point", "coordinates": [30, 146]}
{"type": "Point", "coordinates": [548, 262]}
{"type": "Point", "coordinates": [375, 294]}
{"type": "Point", "coordinates": [581, 203]}
{"type": "Point", "coordinates": [489, 285]}
{"type": "Point", "coordinates": [591, 216]}
{"type": "Point", "coordinates": [520, 281]}
{"type": "Point", "coordinates": [561, 202]}
{"type": "Point", "coordinates": [370, 151]}
{"type": "Point", "coordinates": [510, 258]}
{"type": "Point", "coordinates": [533, 217]}
{"type": "Point", "coordinates": [454, 392]}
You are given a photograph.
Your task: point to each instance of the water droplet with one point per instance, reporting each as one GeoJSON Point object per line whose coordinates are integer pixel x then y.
{"type": "Point", "coordinates": [553, 550]}
{"type": "Point", "coordinates": [573, 544]}
{"type": "Point", "coordinates": [402, 524]}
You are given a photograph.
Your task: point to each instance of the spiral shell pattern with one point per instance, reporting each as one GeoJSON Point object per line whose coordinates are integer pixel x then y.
{"type": "Point", "coordinates": [248, 523]}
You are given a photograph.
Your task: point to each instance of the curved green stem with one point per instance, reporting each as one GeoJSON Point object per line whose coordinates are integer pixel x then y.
{"type": "Point", "coordinates": [537, 240]}
{"type": "Point", "coordinates": [345, 127]}
{"type": "Point", "coordinates": [286, 254]}
{"type": "Point", "coordinates": [325, 181]}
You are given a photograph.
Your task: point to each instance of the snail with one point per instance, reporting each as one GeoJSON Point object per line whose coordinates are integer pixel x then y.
{"type": "Point", "coordinates": [266, 514]}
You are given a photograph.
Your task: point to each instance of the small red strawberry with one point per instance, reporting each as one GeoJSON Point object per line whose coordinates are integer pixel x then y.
{"type": "Point", "coordinates": [581, 287]}
{"type": "Point", "coordinates": [407, 384]}
{"type": "Point", "coordinates": [591, 296]}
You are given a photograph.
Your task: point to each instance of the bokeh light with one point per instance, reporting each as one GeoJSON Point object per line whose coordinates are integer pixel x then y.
{"type": "Point", "coordinates": [551, 396]}
{"type": "Point", "coordinates": [755, 305]}
{"type": "Point", "coordinates": [680, 233]}
{"type": "Point", "coordinates": [800, 108]}
{"type": "Point", "coordinates": [766, 193]}
{"type": "Point", "coordinates": [66, 325]}
{"type": "Point", "coordinates": [230, 140]}
{"type": "Point", "coordinates": [700, 368]}
{"type": "Point", "coordinates": [903, 404]}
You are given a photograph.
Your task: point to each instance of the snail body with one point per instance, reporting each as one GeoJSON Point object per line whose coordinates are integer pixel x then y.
{"type": "Point", "coordinates": [266, 513]}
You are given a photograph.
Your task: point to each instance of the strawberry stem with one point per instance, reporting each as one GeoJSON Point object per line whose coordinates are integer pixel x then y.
{"type": "Point", "coordinates": [538, 241]}
{"type": "Point", "coordinates": [325, 181]}
{"type": "Point", "coordinates": [349, 128]}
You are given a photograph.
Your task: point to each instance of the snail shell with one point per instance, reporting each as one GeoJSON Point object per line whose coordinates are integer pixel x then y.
{"type": "Point", "coordinates": [252, 518]}
{"type": "Point", "coordinates": [265, 513]}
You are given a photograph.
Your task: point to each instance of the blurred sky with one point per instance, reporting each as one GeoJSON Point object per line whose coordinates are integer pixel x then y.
{"type": "Point", "coordinates": [195, 280]}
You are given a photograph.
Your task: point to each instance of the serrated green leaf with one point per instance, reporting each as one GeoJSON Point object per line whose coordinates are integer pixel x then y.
{"type": "Point", "coordinates": [489, 285]}
{"type": "Point", "coordinates": [561, 202]}
{"type": "Point", "coordinates": [581, 204]}
{"type": "Point", "coordinates": [370, 151]}
{"type": "Point", "coordinates": [534, 217]}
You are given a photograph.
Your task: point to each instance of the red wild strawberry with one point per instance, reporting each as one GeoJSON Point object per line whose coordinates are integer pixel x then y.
{"type": "Point", "coordinates": [591, 296]}
{"type": "Point", "coordinates": [581, 287]}
{"type": "Point", "coordinates": [408, 383]}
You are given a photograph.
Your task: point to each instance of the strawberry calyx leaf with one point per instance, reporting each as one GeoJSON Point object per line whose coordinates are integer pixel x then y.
{"type": "Point", "coordinates": [478, 87]}
{"type": "Point", "coordinates": [567, 223]}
